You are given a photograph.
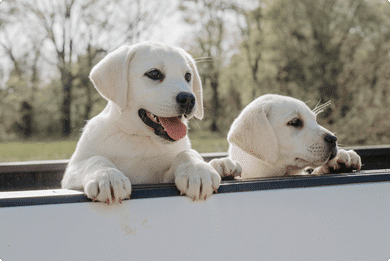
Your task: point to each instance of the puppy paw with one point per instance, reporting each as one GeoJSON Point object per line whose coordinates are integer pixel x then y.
{"type": "Point", "coordinates": [107, 186]}
{"type": "Point", "coordinates": [226, 167]}
{"type": "Point", "coordinates": [345, 161]}
{"type": "Point", "coordinates": [197, 181]}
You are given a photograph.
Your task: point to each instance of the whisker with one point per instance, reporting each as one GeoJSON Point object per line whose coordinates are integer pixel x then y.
{"type": "Point", "coordinates": [203, 59]}
{"type": "Point", "coordinates": [320, 108]}
{"type": "Point", "coordinates": [198, 124]}
{"type": "Point", "coordinates": [315, 108]}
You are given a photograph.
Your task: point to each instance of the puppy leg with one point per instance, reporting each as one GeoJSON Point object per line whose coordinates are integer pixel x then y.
{"type": "Point", "coordinates": [193, 176]}
{"type": "Point", "coordinates": [226, 167]}
{"type": "Point", "coordinates": [345, 161]}
{"type": "Point", "coordinates": [101, 180]}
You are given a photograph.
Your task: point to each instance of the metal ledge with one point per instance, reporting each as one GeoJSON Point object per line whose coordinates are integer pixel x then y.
{"type": "Point", "coordinates": [60, 196]}
{"type": "Point", "coordinates": [366, 152]}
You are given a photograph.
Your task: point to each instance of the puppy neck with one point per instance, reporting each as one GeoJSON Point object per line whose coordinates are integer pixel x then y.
{"type": "Point", "coordinates": [252, 167]}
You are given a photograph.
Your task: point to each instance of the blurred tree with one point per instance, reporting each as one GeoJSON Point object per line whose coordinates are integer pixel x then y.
{"type": "Point", "coordinates": [250, 23]}
{"type": "Point", "coordinates": [208, 17]}
{"type": "Point", "coordinates": [88, 102]}
{"type": "Point", "coordinates": [319, 50]}
{"type": "Point", "coordinates": [315, 35]}
{"type": "Point", "coordinates": [70, 28]}
{"type": "Point", "coordinates": [55, 20]}
{"type": "Point", "coordinates": [311, 50]}
{"type": "Point", "coordinates": [24, 77]}
{"type": "Point", "coordinates": [324, 50]}
{"type": "Point", "coordinates": [85, 64]}
{"type": "Point", "coordinates": [365, 82]}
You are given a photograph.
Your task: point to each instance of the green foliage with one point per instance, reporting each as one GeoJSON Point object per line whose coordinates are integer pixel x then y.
{"type": "Point", "coordinates": [313, 50]}
{"type": "Point", "coordinates": [316, 51]}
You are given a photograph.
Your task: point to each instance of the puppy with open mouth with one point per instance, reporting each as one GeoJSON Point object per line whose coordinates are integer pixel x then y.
{"type": "Point", "coordinates": [140, 137]}
{"type": "Point", "coordinates": [278, 135]}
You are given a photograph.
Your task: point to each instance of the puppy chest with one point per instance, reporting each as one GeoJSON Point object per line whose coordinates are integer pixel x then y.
{"type": "Point", "coordinates": [141, 170]}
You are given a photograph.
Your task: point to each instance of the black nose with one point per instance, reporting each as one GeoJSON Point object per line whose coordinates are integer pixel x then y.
{"type": "Point", "coordinates": [186, 102]}
{"type": "Point", "coordinates": [330, 139]}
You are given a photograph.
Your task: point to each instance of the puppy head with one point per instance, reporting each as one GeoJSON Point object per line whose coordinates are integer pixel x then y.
{"type": "Point", "coordinates": [287, 133]}
{"type": "Point", "coordinates": [302, 142]}
{"type": "Point", "coordinates": [155, 86]}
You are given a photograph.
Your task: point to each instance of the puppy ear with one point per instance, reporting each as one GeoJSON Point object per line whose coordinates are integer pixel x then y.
{"type": "Point", "coordinates": [110, 76]}
{"type": "Point", "coordinates": [196, 85]}
{"type": "Point", "coordinates": [253, 133]}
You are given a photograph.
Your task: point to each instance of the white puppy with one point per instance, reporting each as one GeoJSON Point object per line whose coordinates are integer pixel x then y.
{"type": "Point", "coordinates": [278, 135]}
{"type": "Point", "coordinates": [141, 136]}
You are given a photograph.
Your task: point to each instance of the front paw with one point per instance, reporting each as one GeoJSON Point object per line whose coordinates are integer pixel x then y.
{"type": "Point", "coordinates": [226, 167]}
{"type": "Point", "coordinates": [345, 161]}
{"type": "Point", "coordinates": [107, 186]}
{"type": "Point", "coordinates": [197, 181]}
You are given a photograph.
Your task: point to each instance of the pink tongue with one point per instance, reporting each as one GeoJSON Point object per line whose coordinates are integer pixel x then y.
{"type": "Point", "coordinates": [174, 127]}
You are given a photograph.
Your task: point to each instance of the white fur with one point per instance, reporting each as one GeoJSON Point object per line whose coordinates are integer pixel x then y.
{"type": "Point", "coordinates": [117, 148]}
{"type": "Point", "coordinates": [263, 142]}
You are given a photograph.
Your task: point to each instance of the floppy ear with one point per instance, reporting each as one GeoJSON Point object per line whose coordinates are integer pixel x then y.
{"type": "Point", "coordinates": [196, 86]}
{"type": "Point", "coordinates": [110, 76]}
{"type": "Point", "coordinates": [253, 133]}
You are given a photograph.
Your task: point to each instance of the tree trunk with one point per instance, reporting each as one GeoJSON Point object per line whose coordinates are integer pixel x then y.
{"type": "Point", "coordinates": [27, 118]}
{"type": "Point", "coordinates": [215, 105]}
{"type": "Point", "coordinates": [66, 102]}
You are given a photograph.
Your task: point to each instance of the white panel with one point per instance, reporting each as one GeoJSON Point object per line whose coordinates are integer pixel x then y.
{"type": "Point", "coordinates": [350, 222]}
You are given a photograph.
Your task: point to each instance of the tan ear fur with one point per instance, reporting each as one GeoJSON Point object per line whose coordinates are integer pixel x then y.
{"type": "Point", "coordinates": [253, 133]}
{"type": "Point", "coordinates": [196, 86]}
{"type": "Point", "coordinates": [110, 76]}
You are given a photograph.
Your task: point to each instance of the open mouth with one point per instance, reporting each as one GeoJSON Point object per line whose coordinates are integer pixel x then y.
{"type": "Point", "coordinates": [169, 128]}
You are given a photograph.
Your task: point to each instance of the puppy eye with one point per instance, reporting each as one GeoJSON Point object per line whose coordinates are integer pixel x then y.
{"type": "Point", "coordinates": [187, 77]}
{"type": "Point", "coordinates": [155, 75]}
{"type": "Point", "coordinates": [296, 122]}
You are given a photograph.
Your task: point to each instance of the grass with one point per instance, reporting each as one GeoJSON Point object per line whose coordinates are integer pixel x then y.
{"type": "Point", "coordinates": [52, 150]}
{"type": "Point", "coordinates": [26, 151]}
{"type": "Point", "coordinates": [208, 142]}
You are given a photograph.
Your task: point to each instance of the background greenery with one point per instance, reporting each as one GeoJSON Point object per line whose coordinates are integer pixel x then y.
{"type": "Point", "coordinates": [313, 50]}
{"type": "Point", "coordinates": [64, 148]}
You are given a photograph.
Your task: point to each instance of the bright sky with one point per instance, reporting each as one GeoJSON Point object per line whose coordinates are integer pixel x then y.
{"type": "Point", "coordinates": [172, 29]}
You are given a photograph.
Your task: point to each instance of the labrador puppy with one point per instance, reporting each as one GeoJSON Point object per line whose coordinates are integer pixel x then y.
{"type": "Point", "coordinates": [277, 135]}
{"type": "Point", "coordinates": [141, 137]}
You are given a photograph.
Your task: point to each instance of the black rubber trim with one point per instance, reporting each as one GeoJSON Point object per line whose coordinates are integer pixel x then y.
{"type": "Point", "coordinates": [230, 186]}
